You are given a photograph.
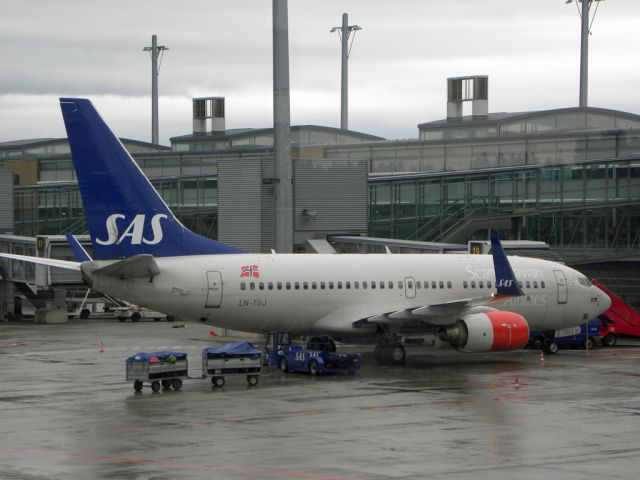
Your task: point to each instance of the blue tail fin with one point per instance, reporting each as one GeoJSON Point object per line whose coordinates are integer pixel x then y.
{"type": "Point", "coordinates": [506, 283]}
{"type": "Point", "coordinates": [126, 216]}
{"type": "Point", "coordinates": [79, 253]}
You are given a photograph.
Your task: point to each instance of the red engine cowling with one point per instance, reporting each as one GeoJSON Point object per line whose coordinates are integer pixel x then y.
{"type": "Point", "coordinates": [488, 332]}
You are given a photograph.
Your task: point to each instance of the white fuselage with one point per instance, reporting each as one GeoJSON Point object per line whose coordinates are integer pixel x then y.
{"type": "Point", "coordinates": [328, 293]}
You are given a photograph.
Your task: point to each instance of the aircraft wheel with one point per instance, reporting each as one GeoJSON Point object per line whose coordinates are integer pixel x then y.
{"type": "Point", "coordinates": [155, 386]}
{"type": "Point", "coordinates": [166, 384]}
{"type": "Point", "coordinates": [552, 348]}
{"type": "Point", "coordinates": [609, 340]}
{"type": "Point", "coordinates": [397, 354]}
{"type": "Point", "coordinates": [253, 380]}
{"type": "Point", "coordinates": [85, 313]}
{"type": "Point", "coordinates": [137, 386]}
{"type": "Point", "coordinates": [176, 383]}
{"type": "Point", "coordinates": [284, 364]}
{"type": "Point", "coordinates": [538, 343]}
{"type": "Point", "coordinates": [313, 368]}
{"type": "Point", "coordinates": [135, 317]}
{"type": "Point", "coordinates": [217, 381]}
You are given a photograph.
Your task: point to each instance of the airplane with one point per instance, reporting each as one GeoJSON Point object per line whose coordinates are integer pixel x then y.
{"type": "Point", "coordinates": [144, 255]}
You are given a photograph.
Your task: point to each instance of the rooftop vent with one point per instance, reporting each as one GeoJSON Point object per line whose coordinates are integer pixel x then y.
{"type": "Point", "coordinates": [208, 115]}
{"type": "Point", "coordinates": [474, 89]}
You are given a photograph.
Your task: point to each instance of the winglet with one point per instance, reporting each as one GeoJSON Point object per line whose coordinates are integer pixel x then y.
{"type": "Point", "coordinates": [506, 283]}
{"type": "Point", "coordinates": [79, 252]}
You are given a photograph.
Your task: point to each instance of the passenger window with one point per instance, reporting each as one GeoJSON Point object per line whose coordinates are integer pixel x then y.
{"type": "Point", "coordinates": [373, 285]}
{"type": "Point", "coordinates": [441, 284]}
{"type": "Point", "coordinates": [390, 284]}
{"type": "Point", "coordinates": [288, 285]}
{"type": "Point", "coordinates": [426, 284]}
{"type": "Point", "coordinates": [465, 284]}
{"type": "Point", "coordinates": [296, 285]}
{"type": "Point", "coordinates": [528, 283]}
{"type": "Point", "coordinates": [261, 285]}
{"type": "Point", "coordinates": [330, 285]}
{"type": "Point", "coordinates": [473, 284]}
{"type": "Point", "coordinates": [519, 284]}
{"type": "Point", "coordinates": [252, 286]}
{"type": "Point", "coordinates": [305, 285]}
{"type": "Point", "coordinates": [339, 285]}
{"type": "Point", "coordinates": [400, 284]}
{"type": "Point", "coordinates": [488, 283]}
{"type": "Point", "coordinates": [364, 285]}
{"type": "Point", "coordinates": [270, 285]}
{"type": "Point", "coordinates": [381, 285]}
{"type": "Point", "coordinates": [243, 286]}
{"type": "Point", "coordinates": [356, 285]}
{"type": "Point", "coordinates": [448, 283]}
{"type": "Point", "coordinates": [535, 284]}
{"type": "Point", "coordinates": [480, 284]}
{"type": "Point", "coordinates": [321, 285]}
{"type": "Point", "coordinates": [433, 284]}
{"type": "Point", "coordinates": [409, 284]}
{"type": "Point", "coordinates": [314, 285]}
{"type": "Point", "coordinates": [279, 285]}
{"type": "Point", "coordinates": [541, 284]}
{"type": "Point", "coordinates": [347, 285]}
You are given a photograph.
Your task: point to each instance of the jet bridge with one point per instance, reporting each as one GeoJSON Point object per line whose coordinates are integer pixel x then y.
{"type": "Point", "coordinates": [45, 287]}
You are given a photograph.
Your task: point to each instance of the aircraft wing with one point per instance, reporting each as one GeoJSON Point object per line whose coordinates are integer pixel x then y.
{"type": "Point", "coordinates": [51, 262]}
{"type": "Point", "coordinates": [143, 265]}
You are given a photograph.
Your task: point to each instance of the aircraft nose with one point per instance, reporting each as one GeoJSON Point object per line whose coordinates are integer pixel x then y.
{"type": "Point", "coordinates": [605, 301]}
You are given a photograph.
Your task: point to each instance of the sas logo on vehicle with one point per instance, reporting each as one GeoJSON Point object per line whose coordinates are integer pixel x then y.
{"type": "Point", "coordinates": [134, 230]}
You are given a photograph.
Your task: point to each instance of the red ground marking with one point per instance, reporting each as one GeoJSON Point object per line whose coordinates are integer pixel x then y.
{"type": "Point", "coordinates": [166, 464]}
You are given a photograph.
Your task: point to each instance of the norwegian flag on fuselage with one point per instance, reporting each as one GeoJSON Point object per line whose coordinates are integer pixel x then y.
{"type": "Point", "coordinates": [249, 271]}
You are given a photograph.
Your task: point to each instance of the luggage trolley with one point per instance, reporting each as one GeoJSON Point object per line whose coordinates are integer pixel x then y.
{"type": "Point", "coordinates": [166, 369]}
{"type": "Point", "coordinates": [236, 358]}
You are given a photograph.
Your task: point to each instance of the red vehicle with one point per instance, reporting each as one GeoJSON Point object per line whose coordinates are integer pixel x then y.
{"type": "Point", "coordinates": [620, 319]}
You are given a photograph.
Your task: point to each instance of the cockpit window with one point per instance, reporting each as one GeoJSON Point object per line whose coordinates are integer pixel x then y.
{"type": "Point", "coordinates": [584, 282]}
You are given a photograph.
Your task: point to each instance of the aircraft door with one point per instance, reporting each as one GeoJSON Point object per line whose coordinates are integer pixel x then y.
{"type": "Point", "coordinates": [563, 288]}
{"type": "Point", "coordinates": [409, 287]}
{"type": "Point", "coordinates": [214, 289]}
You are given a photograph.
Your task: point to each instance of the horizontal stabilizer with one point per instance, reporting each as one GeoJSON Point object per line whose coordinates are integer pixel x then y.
{"type": "Point", "coordinates": [51, 262]}
{"type": "Point", "coordinates": [137, 266]}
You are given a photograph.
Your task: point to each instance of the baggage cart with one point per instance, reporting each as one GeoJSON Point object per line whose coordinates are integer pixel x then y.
{"type": "Point", "coordinates": [160, 369]}
{"type": "Point", "coordinates": [236, 358]}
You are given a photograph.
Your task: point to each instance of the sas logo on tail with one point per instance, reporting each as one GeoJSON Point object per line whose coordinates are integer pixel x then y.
{"type": "Point", "coordinates": [134, 230]}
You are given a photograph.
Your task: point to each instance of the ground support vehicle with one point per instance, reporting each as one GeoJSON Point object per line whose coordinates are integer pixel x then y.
{"type": "Point", "coordinates": [621, 320]}
{"type": "Point", "coordinates": [317, 357]}
{"type": "Point", "coordinates": [136, 313]}
{"type": "Point", "coordinates": [236, 358]}
{"type": "Point", "coordinates": [566, 338]}
{"type": "Point", "coordinates": [162, 369]}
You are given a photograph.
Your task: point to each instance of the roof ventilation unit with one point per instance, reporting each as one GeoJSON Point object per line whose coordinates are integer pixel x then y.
{"type": "Point", "coordinates": [208, 115]}
{"type": "Point", "coordinates": [474, 89]}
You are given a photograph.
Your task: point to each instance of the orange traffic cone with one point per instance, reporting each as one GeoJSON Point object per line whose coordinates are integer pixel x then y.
{"type": "Point", "coordinates": [101, 348]}
{"type": "Point", "coordinates": [542, 356]}
{"type": "Point", "coordinates": [212, 333]}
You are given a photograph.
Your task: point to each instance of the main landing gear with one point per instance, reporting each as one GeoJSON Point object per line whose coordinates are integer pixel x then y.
{"type": "Point", "coordinates": [389, 353]}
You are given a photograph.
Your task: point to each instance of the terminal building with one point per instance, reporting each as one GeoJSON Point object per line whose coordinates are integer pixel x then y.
{"type": "Point", "coordinates": [569, 177]}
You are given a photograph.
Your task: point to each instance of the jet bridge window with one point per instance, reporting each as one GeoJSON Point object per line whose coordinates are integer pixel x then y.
{"type": "Point", "coordinates": [243, 286]}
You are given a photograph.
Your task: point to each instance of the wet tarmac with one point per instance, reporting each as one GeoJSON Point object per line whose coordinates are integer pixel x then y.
{"type": "Point", "coordinates": [67, 413]}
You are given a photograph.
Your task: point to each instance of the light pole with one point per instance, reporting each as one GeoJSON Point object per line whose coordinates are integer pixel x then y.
{"type": "Point", "coordinates": [155, 71]}
{"type": "Point", "coordinates": [345, 31]}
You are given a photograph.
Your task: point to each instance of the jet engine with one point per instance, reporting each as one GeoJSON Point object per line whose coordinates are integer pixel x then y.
{"type": "Point", "coordinates": [492, 331]}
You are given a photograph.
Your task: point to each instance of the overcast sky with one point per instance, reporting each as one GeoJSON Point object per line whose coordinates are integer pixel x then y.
{"type": "Point", "coordinates": [397, 70]}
